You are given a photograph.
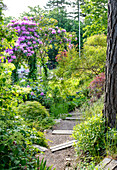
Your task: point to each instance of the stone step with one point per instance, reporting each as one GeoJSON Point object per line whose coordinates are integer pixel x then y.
{"type": "Point", "coordinates": [75, 114]}
{"type": "Point", "coordinates": [41, 148]}
{"type": "Point", "coordinates": [75, 118]}
{"type": "Point", "coordinates": [62, 132]}
{"type": "Point", "coordinates": [65, 125]}
{"type": "Point", "coordinates": [112, 165]}
{"type": "Point", "coordinates": [62, 146]}
{"type": "Point", "coordinates": [107, 164]}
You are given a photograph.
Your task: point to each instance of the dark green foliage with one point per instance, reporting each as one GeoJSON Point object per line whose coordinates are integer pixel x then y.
{"type": "Point", "coordinates": [77, 100]}
{"type": "Point", "coordinates": [16, 140]}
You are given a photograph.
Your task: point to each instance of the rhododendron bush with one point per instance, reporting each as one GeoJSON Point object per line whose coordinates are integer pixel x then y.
{"type": "Point", "coordinates": [35, 39]}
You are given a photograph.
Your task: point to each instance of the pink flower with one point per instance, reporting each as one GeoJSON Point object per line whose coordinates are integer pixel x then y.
{"type": "Point", "coordinates": [59, 31]}
{"type": "Point", "coordinates": [35, 46]}
{"type": "Point", "coordinates": [63, 30]}
{"type": "Point", "coordinates": [10, 52]}
{"type": "Point", "coordinates": [27, 70]}
{"type": "Point", "coordinates": [40, 42]}
{"type": "Point", "coordinates": [29, 43]}
{"type": "Point", "coordinates": [28, 86]}
{"type": "Point", "coordinates": [42, 94]}
{"type": "Point", "coordinates": [53, 32]}
{"type": "Point", "coordinates": [32, 93]}
{"type": "Point", "coordinates": [9, 61]}
{"type": "Point", "coordinates": [32, 52]}
{"type": "Point", "coordinates": [13, 57]}
{"type": "Point", "coordinates": [25, 51]}
{"type": "Point", "coordinates": [29, 54]}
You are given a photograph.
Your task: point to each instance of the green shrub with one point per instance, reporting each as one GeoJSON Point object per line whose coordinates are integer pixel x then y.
{"type": "Point", "coordinates": [32, 109]}
{"type": "Point", "coordinates": [90, 136]}
{"type": "Point", "coordinates": [59, 109]}
{"type": "Point", "coordinates": [71, 105]}
{"type": "Point", "coordinates": [35, 115]}
{"type": "Point", "coordinates": [94, 53]}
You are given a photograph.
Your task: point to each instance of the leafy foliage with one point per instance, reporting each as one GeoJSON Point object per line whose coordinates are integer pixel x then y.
{"type": "Point", "coordinates": [35, 115]}
{"type": "Point", "coordinates": [33, 109]}
{"type": "Point", "coordinates": [16, 137]}
{"type": "Point", "coordinates": [90, 136]}
{"type": "Point", "coordinates": [68, 63]}
{"type": "Point", "coordinates": [96, 17]}
{"type": "Point", "coordinates": [94, 54]}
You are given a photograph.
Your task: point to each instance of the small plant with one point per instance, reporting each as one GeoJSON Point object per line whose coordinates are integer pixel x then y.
{"type": "Point", "coordinates": [42, 165]}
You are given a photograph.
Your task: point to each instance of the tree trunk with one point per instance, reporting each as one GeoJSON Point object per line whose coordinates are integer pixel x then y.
{"type": "Point", "coordinates": [32, 67]}
{"type": "Point", "coordinates": [110, 108]}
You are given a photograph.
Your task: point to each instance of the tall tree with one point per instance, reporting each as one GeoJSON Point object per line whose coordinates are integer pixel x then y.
{"type": "Point", "coordinates": [110, 109]}
{"type": "Point", "coordinates": [96, 17]}
{"type": "Point", "coordinates": [33, 11]}
{"type": "Point", "coordinates": [58, 3]}
{"type": "Point", "coordinates": [76, 8]}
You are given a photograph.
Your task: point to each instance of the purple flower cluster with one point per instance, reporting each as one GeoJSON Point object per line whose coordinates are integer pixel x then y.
{"type": "Point", "coordinates": [28, 39]}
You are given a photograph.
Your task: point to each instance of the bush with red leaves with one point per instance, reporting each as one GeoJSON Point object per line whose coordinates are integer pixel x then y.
{"type": "Point", "coordinates": [97, 86]}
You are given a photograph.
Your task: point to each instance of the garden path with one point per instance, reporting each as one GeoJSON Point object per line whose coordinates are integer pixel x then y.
{"type": "Point", "coordinates": [61, 153]}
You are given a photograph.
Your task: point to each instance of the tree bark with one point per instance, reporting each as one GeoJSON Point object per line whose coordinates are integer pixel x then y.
{"type": "Point", "coordinates": [110, 107]}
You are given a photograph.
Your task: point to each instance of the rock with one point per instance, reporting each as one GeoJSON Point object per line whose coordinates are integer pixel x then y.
{"type": "Point", "coordinates": [41, 148]}
{"type": "Point", "coordinates": [62, 146]}
{"type": "Point", "coordinates": [62, 132]}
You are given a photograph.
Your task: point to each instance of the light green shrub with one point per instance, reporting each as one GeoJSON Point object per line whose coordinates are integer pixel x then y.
{"type": "Point", "coordinates": [90, 136]}
{"type": "Point", "coordinates": [94, 53]}
{"type": "Point", "coordinates": [32, 109]}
